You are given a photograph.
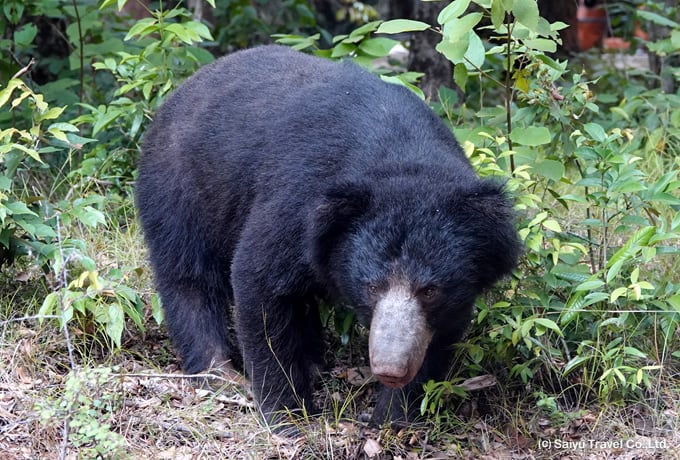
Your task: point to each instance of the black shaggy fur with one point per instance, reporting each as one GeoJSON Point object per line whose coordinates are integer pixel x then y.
{"type": "Point", "coordinates": [271, 179]}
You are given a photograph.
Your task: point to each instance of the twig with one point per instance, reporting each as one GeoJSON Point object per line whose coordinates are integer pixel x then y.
{"type": "Point", "coordinates": [69, 346]}
{"type": "Point", "coordinates": [28, 318]}
{"type": "Point", "coordinates": [81, 51]}
{"type": "Point", "coordinates": [234, 380]}
{"type": "Point", "coordinates": [24, 69]}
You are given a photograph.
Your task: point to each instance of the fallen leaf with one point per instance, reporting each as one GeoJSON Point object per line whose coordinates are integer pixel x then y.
{"type": "Point", "coordinates": [478, 383]}
{"type": "Point", "coordinates": [372, 448]}
{"type": "Point", "coordinates": [358, 376]}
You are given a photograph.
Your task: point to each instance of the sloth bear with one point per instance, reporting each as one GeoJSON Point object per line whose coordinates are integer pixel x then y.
{"type": "Point", "coordinates": [271, 180]}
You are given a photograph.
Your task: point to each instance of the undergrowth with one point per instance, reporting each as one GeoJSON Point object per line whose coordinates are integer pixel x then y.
{"type": "Point", "coordinates": [581, 343]}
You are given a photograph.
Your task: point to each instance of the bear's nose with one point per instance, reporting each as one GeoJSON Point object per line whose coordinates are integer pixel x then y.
{"type": "Point", "coordinates": [390, 375]}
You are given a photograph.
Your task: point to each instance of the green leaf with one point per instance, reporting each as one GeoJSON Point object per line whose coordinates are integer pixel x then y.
{"type": "Point", "coordinates": [88, 264]}
{"type": "Point", "coordinates": [182, 32]}
{"type": "Point", "coordinates": [342, 49]}
{"type": "Point", "coordinates": [552, 225]}
{"type": "Point", "coordinates": [5, 183]}
{"type": "Point", "coordinates": [106, 3]}
{"type": "Point", "coordinates": [550, 169]}
{"type": "Point", "coordinates": [476, 53]}
{"type": "Point", "coordinates": [456, 29]}
{"type": "Point", "coordinates": [142, 28]}
{"type": "Point", "coordinates": [590, 285]}
{"type": "Point", "coordinates": [675, 39]}
{"type": "Point", "coordinates": [460, 75]}
{"type": "Point", "coordinates": [397, 26]}
{"type": "Point", "coordinates": [454, 52]}
{"type": "Point", "coordinates": [364, 30]}
{"type": "Point", "coordinates": [157, 309]}
{"type": "Point", "coordinates": [25, 35]}
{"type": "Point", "coordinates": [628, 251]}
{"type": "Point", "coordinates": [497, 15]}
{"type": "Point", "coordinates": [548, 324]}
{"type": "Point", "coordinates": [632, 351]}
{"type": "Point", "coordinates": [377, 47]}
{"type": "Point", "coordinates": [594, 297]}
{"type": "Point", "coordinates": [115, 323]}
{"type": "Point", "coordinates": [89, 216]}
{"type": "Point", "coordinates": [49, 305]}
{"type": "Point", "coordinates": [395, 80]}
{"type": "Point", "coordinates": [200, 29]}
{"type": "Point", "coordinates": [674, 301]}
{"type": "Point", "coordinates": [17, 208]}
{"type": "Point", "coordinates": [531, 136]}
{"type": "Point", "coordinates": [618, 292]}
{"type": "Point", "coordinates": [575, 363]}
{"type": "Point", "coordinates": [64, 127]}
{"type": "Point", "coordinates": [596, 132]}
{"type": "Point", "coordinates": [632, 246]}
{"type": "Point", "coordinates": [526, 13]}
{"type": "Point", "coordinates": [104, 119]}
{"type": "Point", "coordinates": [541, 44]}
{"type": "Point", "coordinates": [657, 19]}
{"type": "Point", "coordinates": [452, 10]}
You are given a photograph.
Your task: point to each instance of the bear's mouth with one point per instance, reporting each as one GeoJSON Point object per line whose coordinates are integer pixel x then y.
{"type": "Point", "coordinates": [393, 382]}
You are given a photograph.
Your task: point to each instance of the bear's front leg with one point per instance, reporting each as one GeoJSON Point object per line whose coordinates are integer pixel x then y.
{"type": "Point", "coordinates": [277, 321]}
{"type": "Point", "coordinates": [276, 316]}
{"type": "Point", "coordinates": [280, 348]}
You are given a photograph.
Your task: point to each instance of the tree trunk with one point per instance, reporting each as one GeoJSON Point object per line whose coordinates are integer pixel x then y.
{"type": "Point", "coordinates": [423, 57]}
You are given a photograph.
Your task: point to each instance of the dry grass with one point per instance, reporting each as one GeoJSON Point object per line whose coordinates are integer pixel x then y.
{"type": "Point", "coordinates": [136, 404]}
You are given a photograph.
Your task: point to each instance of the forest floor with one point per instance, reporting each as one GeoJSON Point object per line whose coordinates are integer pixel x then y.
{"type": "Point", "coordinates": [87, 401]}
{"type": "Point", "coordinates": [135, 403]}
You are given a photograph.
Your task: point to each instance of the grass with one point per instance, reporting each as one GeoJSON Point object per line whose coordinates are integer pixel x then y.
{"type": "Point", "coordinates": [134, 402]}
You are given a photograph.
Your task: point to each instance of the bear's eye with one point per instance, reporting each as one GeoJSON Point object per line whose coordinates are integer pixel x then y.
{"type": "Point", "coordinates": [429, 292]}
{"type": "Point", "coordinates": [372, 289]}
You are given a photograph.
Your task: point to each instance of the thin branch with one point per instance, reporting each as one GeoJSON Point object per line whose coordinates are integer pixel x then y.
{"type": "Point", "coordinates": [233, 380]}
{"type": "Point", "coordinates": [28, 318]}
{"type": "Point", "coordinates": [24, 69]}
{"type": "Point", "coordinates": [63, 447]}
{"type": "Point", "coordinates": [81, 51]}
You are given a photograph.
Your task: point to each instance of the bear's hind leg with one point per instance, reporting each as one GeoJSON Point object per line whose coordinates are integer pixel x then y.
{"type": "Point", "coordinates": [198, 319]}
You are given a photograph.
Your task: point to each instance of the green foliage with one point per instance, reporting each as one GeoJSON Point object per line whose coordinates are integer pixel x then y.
{"type": "Point", "coordinates": [85, 407]}
{"type": "Point", "coordinates": [592, 164]}
{"type": "Point", "coordinates": [104, 303]}
{"type": "Point", "coordinates": [27, 224]}
{"type": "Point", "coordinates": [363, 49]}
{"type": "Point", "coordinates": [342, 320]}
{"type": "Point", "coordinates": [244, 23]}
{"type": "Point", "coordinates": [436, 393]}
{"type": "Point", "coordinates": [163, 51]}
{"type": "Point", "coordinates": [596, 291]}
{"type": "Point", "coordinates": [40, 216]}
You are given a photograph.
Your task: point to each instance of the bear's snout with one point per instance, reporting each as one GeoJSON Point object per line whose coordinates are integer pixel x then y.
{"type": "Point", "coordinates": [399, 337]}
{"type": "Point", "coordinates": [391, 376]}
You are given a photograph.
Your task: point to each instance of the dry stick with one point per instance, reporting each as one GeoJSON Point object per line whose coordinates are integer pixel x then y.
{"type": "Point", "coordinates": [80, 51]}
{"type": "Point", "coordinates": [509, 92]}
{"type": "Point", "coordinates": [28, 318]}
{"type": "Point", "coordinates": [24, 69]}
{"type": "Point", "coordinates": [69, 346]}
{"type": "Point", "coordinates": [182, 376]}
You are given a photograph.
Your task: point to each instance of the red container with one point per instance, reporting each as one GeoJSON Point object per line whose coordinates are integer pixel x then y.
{"type": "Point", "coordinates": [591, 25]}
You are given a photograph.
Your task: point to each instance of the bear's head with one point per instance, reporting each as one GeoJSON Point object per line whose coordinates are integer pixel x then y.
{"type": "Point", "coordinates": [411, 258]}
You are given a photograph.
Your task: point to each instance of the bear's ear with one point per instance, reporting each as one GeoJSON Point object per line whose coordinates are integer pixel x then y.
{"type": "Point", "coordinates": [488, 212]}
{"type": "Point", "coordinates": [339, 208]}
